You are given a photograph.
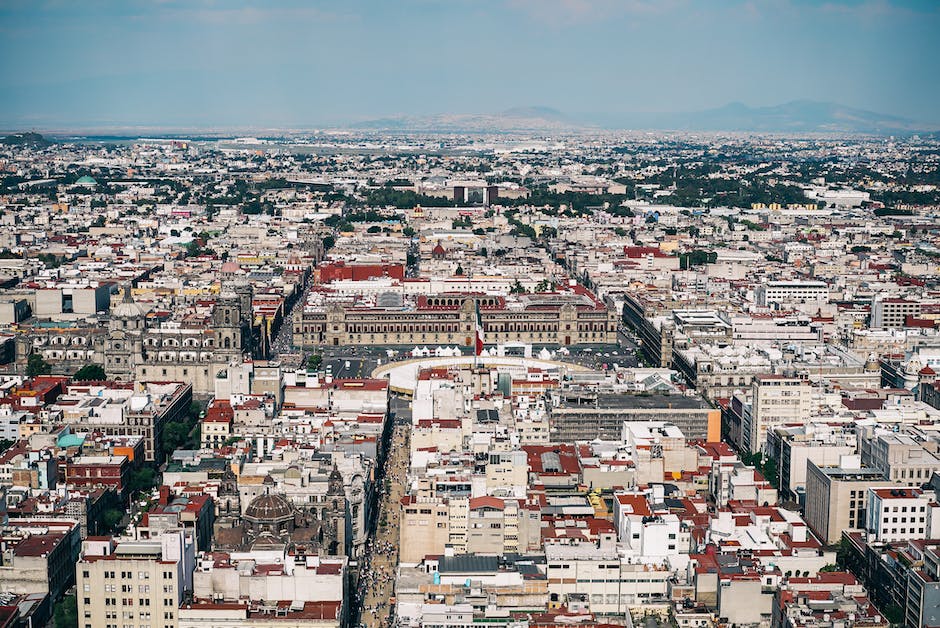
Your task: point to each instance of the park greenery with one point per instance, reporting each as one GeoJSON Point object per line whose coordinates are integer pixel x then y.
{"type": "Point", "coordinates": [697, 257]}
{"type": "Point", "coordinates": [90, 372]}
{"type": "Point", "coordinates": [36, 365]}
{"type": "Point", "coordinates": [183, 434]}
{"type": "Point", "coordinates": [65, 614]}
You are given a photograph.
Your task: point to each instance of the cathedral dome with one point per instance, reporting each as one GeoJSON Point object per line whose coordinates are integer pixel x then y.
{"type": "Point", "coordinates": [127, 308]}
{"type": "Point", "coordinates": [269, 508]}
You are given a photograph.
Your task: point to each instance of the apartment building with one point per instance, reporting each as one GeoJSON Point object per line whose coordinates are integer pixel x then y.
{"type": "Point", "coordinates": [134, 583]}
{"type": "Point", "coordinates": [277, 614]}
{"type": "Point", "coordinates": [775, 400]}
{"type": "Point", "coordinates": [779, 293]}
{"type": "Point", "coordinates": [793, 446]}
{"type": "Point", "coordinates": [583, 415]}
{"type": "Point", "coordinates": [902, 514]}
{"type": "Point", "coordinates": [38, 556]}
{"type": "Point", "coordinates": [891, 313]}
{"type": "Point", "coordinates": [837, 497]}
{"type": "Point", "coordinates": [126, 409]}
{"type": "Point", "coordinates": [280, 575]}
{"type": "Point", "coordinates": [424, 527]}
{"type": "Point", "coordinates": [901, 458]}
{"type": "Point", "coordinates": [648, 535]}
{"type": "Point", "coordinates": [598, 579]}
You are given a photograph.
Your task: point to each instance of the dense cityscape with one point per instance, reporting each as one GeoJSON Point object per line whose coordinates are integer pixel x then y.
{"type": "Point", "coordinates": [452, 380]}
{"type": "Point", "coordinates": [470, 314]}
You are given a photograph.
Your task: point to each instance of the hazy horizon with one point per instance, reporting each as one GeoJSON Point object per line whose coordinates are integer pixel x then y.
{"type": "Point", "coordinates": [290, 64]}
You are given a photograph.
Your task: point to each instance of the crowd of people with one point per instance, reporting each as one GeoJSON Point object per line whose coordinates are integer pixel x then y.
{"type": "Point", "coordinates": [377, 571]}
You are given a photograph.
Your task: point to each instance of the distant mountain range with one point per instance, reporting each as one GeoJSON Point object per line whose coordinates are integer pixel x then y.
{"type": "Point", "coordinates": [516, 119]}
{"type": "Point", "coordinates": [28, 138]}
{"type": "Point", "coordinates": [799, 116]}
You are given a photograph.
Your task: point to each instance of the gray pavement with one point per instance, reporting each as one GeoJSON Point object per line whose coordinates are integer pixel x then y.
{"type": "Point", "coordinates": [377, 582]}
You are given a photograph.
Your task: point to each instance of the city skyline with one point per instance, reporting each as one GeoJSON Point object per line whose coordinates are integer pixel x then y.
{"type": "Point", "coordinates": [290, 64]}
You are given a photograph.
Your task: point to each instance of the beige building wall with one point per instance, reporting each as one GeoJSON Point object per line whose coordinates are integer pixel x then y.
{"type": "Point", "coordinates": [775, 401]}
{"type": "Point", "coordinates": [745, 602]}
{"type": "Point", "coordinates": [486, 531]}
{"type": "Point", "coordinates": [115, 591]}
{"type": "Point", "coordinates": [443, 438]}
{"type": "Point", "coordinates": [506, 470]}
{"type": "Point", "coordinates": [424, 529]}
{"type": "Point", "coordinates": [834, 505]}
{"type": "Point", "coordinates": [459, 511]}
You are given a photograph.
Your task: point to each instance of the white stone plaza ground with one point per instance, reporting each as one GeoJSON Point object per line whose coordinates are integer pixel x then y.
{"type": "Point", "coordinates": [403, 375]}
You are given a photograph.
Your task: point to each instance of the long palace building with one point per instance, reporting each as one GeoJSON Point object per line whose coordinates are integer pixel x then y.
{"type": "Point", "coordinates": [571, 317]}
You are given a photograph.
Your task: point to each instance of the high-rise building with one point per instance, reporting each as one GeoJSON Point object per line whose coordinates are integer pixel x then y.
{"type": "Point", "coordinates": [892, 313]}
{"type": "Point", "coordinates": [775, 400]}
{"type": "Point", "coordinates": [836, 496]}
{"type": "Point", "coordinates": [134, 583]}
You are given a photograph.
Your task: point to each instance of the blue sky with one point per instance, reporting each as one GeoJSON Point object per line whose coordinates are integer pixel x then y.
{"type": "Point", "coordinates": [290, 63]}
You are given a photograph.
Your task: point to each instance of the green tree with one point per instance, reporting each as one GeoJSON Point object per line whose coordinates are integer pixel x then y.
{"type": "Point", "coordinates": [751, 460]}
{"type": "Point", "coordinates": [404, 199]}
{"type": "Point", "coordinates": [697, 257]}
{"type": "Point", "coordinates": [110, 519]}
{"type": "Point", "coordinates": [142, 480]}
{"type": "Point", "coordinates": [769, 470]}
{"type": "Point", "coordinates": [66, 612]}
{"type": "Point", "coordinates": [314, 362]}
{"type": "Point", "coordinates": [252, 207]}
{"type": "Point", "coordinates": [90, 372]}
{"type": "Point", "coordinates": [893, 613]}
{"type": "Point", "coordinates": [175, 436]}
{"type": "Point", "coordinates": [36, 365]}
{"type": "Point", "coordinates": [408, 232]}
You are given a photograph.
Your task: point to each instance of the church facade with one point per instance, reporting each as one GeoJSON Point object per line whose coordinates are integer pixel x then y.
{"type": "Point", "coordinates": [132, 348]}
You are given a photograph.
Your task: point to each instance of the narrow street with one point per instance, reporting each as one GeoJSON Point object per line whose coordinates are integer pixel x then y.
{"type": "Point", "coordinates": [283, 341]}
{"type": "Point", "coordinates": [377, 583]}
